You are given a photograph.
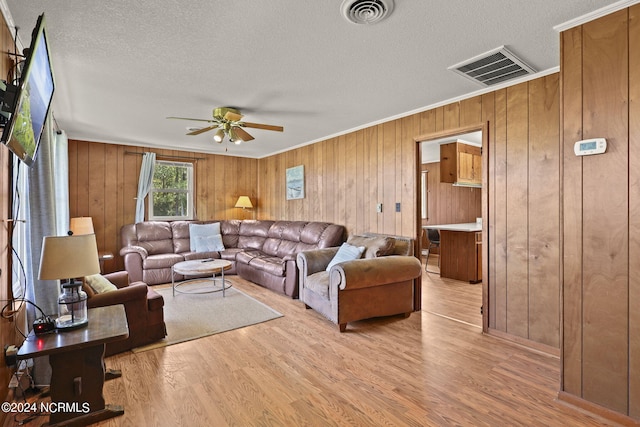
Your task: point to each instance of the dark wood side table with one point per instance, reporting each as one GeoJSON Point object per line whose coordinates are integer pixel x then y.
{"type": "Point", "coordinates": [77, 366]}
{"type": "Point", "coordinates": [102, 257]}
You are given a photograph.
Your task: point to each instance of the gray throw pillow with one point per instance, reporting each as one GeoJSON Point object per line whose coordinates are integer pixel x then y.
{"type": "Point", "coordinates": [209, 243]}
{"type": "Point", "coordinates": [346, 252]}
{"type": "Point", "coordinates": [201, 230]}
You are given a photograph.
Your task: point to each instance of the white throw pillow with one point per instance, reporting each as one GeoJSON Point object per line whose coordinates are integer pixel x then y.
{"type": "Point", "coordinates": [201, 230]}
{"type": "Point", "coordinates": [209, 243]}
{"type": "Point", "coordinates": [346, 252]}
{"type": "Point", "coordinates": [99, 284]}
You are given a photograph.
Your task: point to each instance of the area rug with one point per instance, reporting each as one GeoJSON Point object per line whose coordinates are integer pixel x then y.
{"type": "Point", "coordinates": [192, 316]}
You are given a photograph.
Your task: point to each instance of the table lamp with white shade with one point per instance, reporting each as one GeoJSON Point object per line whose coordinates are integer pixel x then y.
{"type": "Point", "coordinates": [66, 258]}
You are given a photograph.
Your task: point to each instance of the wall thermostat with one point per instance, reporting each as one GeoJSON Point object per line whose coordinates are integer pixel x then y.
{"type": "Point", "coordinates": [587, 147]}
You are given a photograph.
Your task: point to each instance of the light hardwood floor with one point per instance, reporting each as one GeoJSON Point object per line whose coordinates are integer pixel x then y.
{"type": "Point", "coordinates": [435, 368]}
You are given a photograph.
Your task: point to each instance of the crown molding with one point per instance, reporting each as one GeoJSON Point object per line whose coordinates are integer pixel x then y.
{"type": "Point", "coordinates": [462, 97]}
{"type": "Point", "coordinates": [591, 16]}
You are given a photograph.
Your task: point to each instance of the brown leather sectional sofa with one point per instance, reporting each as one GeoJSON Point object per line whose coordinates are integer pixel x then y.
{"type": "Point", "coordinates": [263, 252]}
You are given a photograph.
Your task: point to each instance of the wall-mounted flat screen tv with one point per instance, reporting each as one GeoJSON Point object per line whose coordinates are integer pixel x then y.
{"type": "Point", "coordinates": [28, 101]}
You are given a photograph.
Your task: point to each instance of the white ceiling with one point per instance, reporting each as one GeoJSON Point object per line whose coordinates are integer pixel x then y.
{"type": "Point", "coordinates": [122, 67]}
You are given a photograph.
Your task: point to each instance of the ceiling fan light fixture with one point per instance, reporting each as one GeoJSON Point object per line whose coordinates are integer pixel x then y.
{"type": "Point", "coordinates": [233, 137]}
{"type": "Point", "coordinates": [219, 136]}
{"type": "Point", "coordinates": [227, 121]}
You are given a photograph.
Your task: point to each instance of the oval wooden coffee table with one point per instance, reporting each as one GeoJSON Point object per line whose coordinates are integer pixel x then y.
{"type": "Point", "coordinates": [200, 267]}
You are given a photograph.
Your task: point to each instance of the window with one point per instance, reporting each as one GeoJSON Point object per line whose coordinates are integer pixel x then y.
{"type": "Point", "coordinates": [171, 195]}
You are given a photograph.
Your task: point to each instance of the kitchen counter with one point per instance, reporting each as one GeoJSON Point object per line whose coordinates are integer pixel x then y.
{"type": "Point", "coordinates": [460, 251]}
{"type": "Point", "coordinates": [471, 227]}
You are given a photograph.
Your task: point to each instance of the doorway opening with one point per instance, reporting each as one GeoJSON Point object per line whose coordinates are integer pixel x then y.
{"type": "Point", "coordinates": [451, 189]}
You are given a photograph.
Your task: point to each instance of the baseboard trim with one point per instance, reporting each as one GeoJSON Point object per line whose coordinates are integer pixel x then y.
{"type": "Point", "coordinates": [532, 345]}
{"type": "Point", "coordinates": [595, 409]}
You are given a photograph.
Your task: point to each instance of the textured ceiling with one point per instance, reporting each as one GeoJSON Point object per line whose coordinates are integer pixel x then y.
{"type": "Point", "coordinates": [122, 67]}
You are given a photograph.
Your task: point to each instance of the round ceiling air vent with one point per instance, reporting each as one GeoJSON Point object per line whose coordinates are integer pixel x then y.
{"type": "Point", "coordinates": [366, 11]}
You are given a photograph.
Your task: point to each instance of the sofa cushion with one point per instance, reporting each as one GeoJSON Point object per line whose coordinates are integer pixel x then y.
{"type": "Point", "coordinates": [347, 252]}
{"type": "Point", "coordinates": [230, 254]}
{"type": "Point", "coordinates": [253, 234]}
{"type": "Point", "coordinates": [318, 283]}
{"type": "Point", "coordinates": [181, 241]}
{"type": "Point", "coordinates": [246, 256]}
{"type": "Point", "coordinates": [290, 230]}
{"type": "Point", "coordinates": [196, 231]}
{"type": "Point", "coordinates": [374, 246]}
{"type": "Point", "coordinates": [271, 265]}
{"type": "Point", "coordinates": [230, 229]}
{"type": "Point", "coordinates": [99, 284]}
{"type": "Point", "coordinates": [263, 262]}
{"type": "Point", "coordinates": [155, 262]}
{"type": "Point", "coordinates": [155, 236]}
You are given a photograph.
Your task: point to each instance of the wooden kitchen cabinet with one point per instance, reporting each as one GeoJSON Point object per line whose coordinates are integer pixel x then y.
{"type": "Point", "coordinates": [461, 163]}
{"type": "Point", "coordinates": [460, 251]}
{"type": "Point", "coordinates": [461, 256]}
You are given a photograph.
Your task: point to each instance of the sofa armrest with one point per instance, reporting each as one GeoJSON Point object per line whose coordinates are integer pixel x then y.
{"type": "Point", "coordinates": [134, 250]}
{"type": "Point", "coordinates": [118, 278]}
{"type": "Point", "coordinates": [290, 257]}
{"type": "Point", "coordinates": [136, 292]}
{"type": "Point", "coordinates": [134, 257]}
{"type": "Point", "coordinates": [310, 262]}
{"type": "Point", "coordinates": [365, 273]}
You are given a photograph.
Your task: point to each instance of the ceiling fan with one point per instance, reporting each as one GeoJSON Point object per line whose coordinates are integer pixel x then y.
{"type": "Point", "coordinates": [228, 121]}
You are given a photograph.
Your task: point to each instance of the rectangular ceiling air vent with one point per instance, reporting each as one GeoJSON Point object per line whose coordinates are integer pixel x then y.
{"type": "Point", "coordinates": [493, 67]}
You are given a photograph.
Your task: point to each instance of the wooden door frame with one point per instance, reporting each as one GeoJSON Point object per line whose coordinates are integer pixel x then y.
{"type": "Point", "coordinates": [485, 191]}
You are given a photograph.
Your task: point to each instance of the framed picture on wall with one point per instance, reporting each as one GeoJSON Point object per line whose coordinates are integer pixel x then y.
{"type": "Point", "coordinates": [295, 182]}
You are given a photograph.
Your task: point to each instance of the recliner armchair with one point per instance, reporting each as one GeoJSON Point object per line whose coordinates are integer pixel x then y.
{"type": "Point", "coordinates": [385, 282]}
{"type": "Point", "coordinates": [143, 307]}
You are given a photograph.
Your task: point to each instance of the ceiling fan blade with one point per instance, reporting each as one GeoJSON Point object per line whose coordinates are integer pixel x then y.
{"type": "Point", "coordinates": [261, 126]}
{"type": "Point", "coordinates": [203, 130]}
{"type": "Point", "coordinates": [232, 117]}
{"type": "Point", "coordinates": [242, 134]}
{"type": "Point", "coordinates": [196, 120]}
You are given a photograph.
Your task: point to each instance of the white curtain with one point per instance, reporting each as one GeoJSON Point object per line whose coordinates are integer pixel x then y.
{"type": "Point", "coordinates": [144, 183]}
{"type": "Point", "coordinates": [60, 163]}
{"type": "Point", "coordinates": [41, 198]}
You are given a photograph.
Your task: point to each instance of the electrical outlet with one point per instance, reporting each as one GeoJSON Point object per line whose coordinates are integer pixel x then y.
{"type": "Point", "coordinates": [10, 355]}
{"type": "Point", "coordinates": [379, 208]}
{"type": "Point", "coordinates": [398, 207]}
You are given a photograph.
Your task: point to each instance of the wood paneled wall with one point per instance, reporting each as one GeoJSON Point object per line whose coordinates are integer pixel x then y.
{"type": "Point", "coordinates": [347, 176]}
{"type": "Point", "coordinates": [103, 182]}
{"type": "Point", "coordinates": [448, 204]}
{"type": "Point", "coordinates": [524, 231]}
{"type": "Point", "coordinates": [601, 297]}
